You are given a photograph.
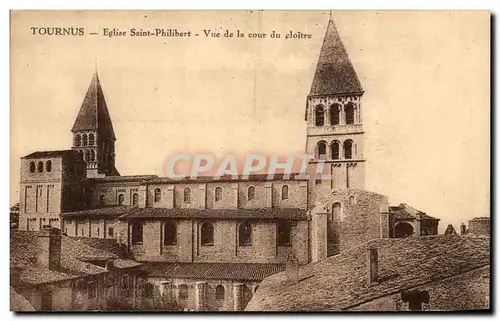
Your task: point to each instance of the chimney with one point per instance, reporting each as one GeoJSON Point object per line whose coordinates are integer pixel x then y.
{"type": "Point", "coordinates": [292, 269]}
{"type": "Point", "coordinates": [463, 229]}
{"type": "Point", "coordinates": [372, 266]}
{"type": "Point", "coordinates": [49, 248]}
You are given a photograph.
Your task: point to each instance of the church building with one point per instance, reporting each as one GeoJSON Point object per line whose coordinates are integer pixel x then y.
{"type": "Point", "coordinates": [208, 243]}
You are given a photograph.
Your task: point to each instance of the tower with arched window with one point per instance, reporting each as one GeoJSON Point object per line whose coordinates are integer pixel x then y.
{"type": "Point", "coordinates": [93, 134]}
{"type": "Point", "coordinates": [334, 118]}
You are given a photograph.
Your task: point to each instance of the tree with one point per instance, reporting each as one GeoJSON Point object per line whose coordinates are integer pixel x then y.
{"type": "Point", "coordinates": [14, 216]}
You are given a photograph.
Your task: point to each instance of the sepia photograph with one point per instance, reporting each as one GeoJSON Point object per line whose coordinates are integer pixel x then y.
{"type": "Point", "coordinates": [250, 161]}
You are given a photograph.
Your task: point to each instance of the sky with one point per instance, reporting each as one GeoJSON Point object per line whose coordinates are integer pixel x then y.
{"type": "Point", "coordinates": [426, 107]}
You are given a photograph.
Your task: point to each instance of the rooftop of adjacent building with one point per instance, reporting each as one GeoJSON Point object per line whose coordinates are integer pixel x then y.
{"type": "Point", "coordinates": [76, 257]}
{"type": "Point", "coordinates": [339, 282]}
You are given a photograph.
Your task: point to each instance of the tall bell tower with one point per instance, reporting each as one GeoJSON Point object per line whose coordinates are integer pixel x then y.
{"type": "Point", "coordinates": [93, 134]}
{"type": "Point", "coordinates": [334, 118]}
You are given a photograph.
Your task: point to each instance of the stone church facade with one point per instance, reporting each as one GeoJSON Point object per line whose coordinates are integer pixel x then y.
{"type": "Point", "coordinates": [207, 243]}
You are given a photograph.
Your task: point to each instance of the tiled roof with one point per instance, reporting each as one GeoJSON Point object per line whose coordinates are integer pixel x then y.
{"type": "Point", "coordinates": [39, 275]}
{"type": "Point", "coordinates": [214, 271]}
{"type": "Point", "coordinates": [108, 245]}
{"type": "Point", "coordinates": [52, 153]}
{"type": "Point", "coordinates": [334, 72]}
{"type": "Point", "coordinates": [94, 112]}
{"type": "Point", "coordinates": [133, 178]}
{"type": "Point", "coordinates": [339, 282]}
{"type": "Point", "coordinates": [405, 212]}
{"type": "Point", "coordinates": [108, 211]}
{"type": "Point", "coordinates": [263, 213]}
{"type": "Point", "coordinates": [76, 257]}
{"type": "Point", "coordinates": [125, 264]}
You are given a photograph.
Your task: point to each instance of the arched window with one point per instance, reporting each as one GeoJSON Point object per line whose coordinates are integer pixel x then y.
{"type": "Point", "coordinates": [183, 292]}
{"type": "Point", "coordinates": [81, 154]}
{"type": "Point", "coordinates": [92, 155]}
{"type": "Point", "coordinates": [336, 149]}
{"type": "Point", "coordinates": [284, 192]}
{"type": "Point", "coordinates": [84, 139]}
{"type": "Point", "coordinates": [319, 113]}
{"type": "Point", "coordinates": [121, 199]}
{"type": "Point", "coordinates": [207, 234]}
{"type": "Point", "coordinates": [335, 114]}
{"type": "Point", "coordinates": [135, 199]}
{"type": "Point", "coordinates": [251, 193]}
{"type": "Point", "coordinates": [78, 140]}
{"type": "Point", "coordinates": [170, 233]}
{"type": "Point", "coordinates": [321, 150]}
{"type": "Point", "coordinates": [32, 167]}
{"type": "Point", "coordinates": [348, 149]}
{"type": "Point", "coordinates": [137, 232]}
{"type": "Point", "coordinates": [352, 200]}
{"type": "Point", "coordinates": [245, 234]}
{"type": "Point", "coordinates": [284, 235]}
{"type": "Point", "coordinates": [91, 140]}
{"type": "Point", "coordinates": [349, 113]}
{"type": "Point", "coordinates": [40, 167]}
{"type": "Point", "coordinates": [187, 195]}
{"type": "Point", "coordinates": [218, 194]}
{"type": "Point", "coordinates": [157, 195]}
{"type": "Point", "coordinates": [48, 166]}
{"type": "Point", "coordinates": [87, 155]}
{"type": "Point", "coordinates": [220, 292]}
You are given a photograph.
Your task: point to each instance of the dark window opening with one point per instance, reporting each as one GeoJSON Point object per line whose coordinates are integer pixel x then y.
{"type": "Point", "coordinates": [48, 166]}
{"type": "Point", "coordinates": [336, 150]}
{"type": "Point", "coordinates": [335, 114]}
{"type": "Point", "coordinates": [187, 196]}
{"type": "Point", "coordinates": [148, 290]}
{"type": "Point", "coordinates": [245, 234]}
{"type": "Point", "coordinates": [101, 199]}
{"type": "Point", "coordinates": [121, 199]}
{"type": "Point", "coordinates": [218, 194]}
{"type": "Point", "coordinates": [170, 233]}
{"type": "Point", "coordinates": [135, 199]}
{"type": "Point", "coordinates": [321, 150]}
{"type": "Point", "coordinates": [320, 115]}
{"type": "Point", "coordinates": [136, 233]}
{"type": "Point", "coordinates": [251, 193]}
{"type": "Point", "coordinates": [110, 231]}
{"type": "Point", "coordinates": [284, 233]}
{"type": "Point", "coordinates": [207, 234]}
{"type": "Point", "coordinates": [348, 149]}
{"type": "Point", "coordinates": [91, 140]}
{"type": "Point", "coordinates": [78, 140]}
{"type": "Point", "coordinates": [32, 167]}
{"type": "Point", "coordinates": [40, 167]}
{"type": "Point", "coordinates": [220, 292]}
{"type": "Point", "coordinates": [284, 192]}
{"type": "Point", "coordinates": [349, 113]}
{"type": "Point", "coordinates": [84, 139]}
{"type": "Point", "coordinates": [157, 195]}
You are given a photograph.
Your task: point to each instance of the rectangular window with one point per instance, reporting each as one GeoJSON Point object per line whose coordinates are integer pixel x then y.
{"type": "Point", "coordinates": [92, 290]}
{"type": "Point", "coordinates": [125, 281]}
{"type": "Point", "coordinates": [110, 231]}
{"type": "Point", "coordinates": [284, 233]}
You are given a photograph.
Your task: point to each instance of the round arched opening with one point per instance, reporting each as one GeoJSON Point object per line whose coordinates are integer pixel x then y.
{"type": "Point", "coordinates": [402, 230]}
